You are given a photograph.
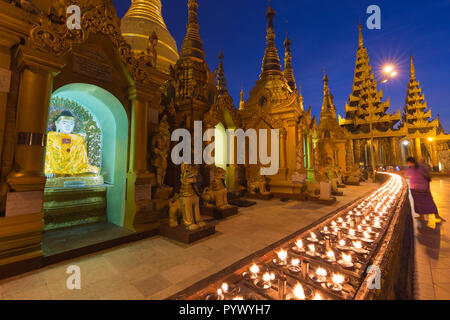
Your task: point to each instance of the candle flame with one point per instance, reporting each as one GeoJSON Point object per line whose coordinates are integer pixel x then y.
{"type": "Point", "coordinates": [295, 262]}
{"type": "Point", "coordinates": [254, 269]}
{"type": "Point", "coordinates": [317, 296]}
{"type": "Point", "coordinates": [330, 254]}
{"type": "Point", "coordinates": [357, 244]}
{"type": "Point", "coordinates": [321, 272]}
{"type": "Point", "coordinates": [351, 232]}
{"type": "Point", "coordinates": [313, 235]}
{"type": "Point", "coordinates": [299, 293]}
{"type": "Point", "coordinates": [338, 278]}
{"type": "Point", "coordinates": [238, 298]}
{"type": "Point", "coordinates": [266, 277]}
{"type": "Point", "coordinates": [282, 255]}
{"type": "Point", "coordinates": [312, 248]}
{"type": "Point", "coordinates": [299, 243]}
{"type": "Point", "coordinates": [347, 258]}
{"type": "Point", "coordinates": [366, 235]}
{"type": "Point", "coordinates": [342, 243]}
{"type": "Point", "coordinates": [225, 287]}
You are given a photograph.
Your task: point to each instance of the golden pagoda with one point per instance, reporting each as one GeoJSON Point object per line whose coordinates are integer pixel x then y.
{"type": "Point", "coordinates": [424, 136]}
{"type": "Point", "coordinates": [142, 19]}
{"type": "Point", "coordinates": [366, 116]}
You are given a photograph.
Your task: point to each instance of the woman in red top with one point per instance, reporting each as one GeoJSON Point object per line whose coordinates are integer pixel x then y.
{"type": "Point", "coordinates": [419, 184]}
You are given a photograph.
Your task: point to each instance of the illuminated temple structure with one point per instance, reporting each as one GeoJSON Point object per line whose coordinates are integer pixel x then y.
{"type": "Point", "coordinates": [116, 90]}
{"type": "Point", "coordinates": [411, 132]}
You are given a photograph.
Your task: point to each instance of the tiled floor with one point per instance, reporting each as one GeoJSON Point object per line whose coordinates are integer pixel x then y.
{"type": "Point", "coordinates": [433, 248]}
{"type": "Point", "coordinates": [157, 268]}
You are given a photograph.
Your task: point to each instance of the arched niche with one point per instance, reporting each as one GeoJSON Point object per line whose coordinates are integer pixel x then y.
{"type": "Point", "coordinates": [113, 122]}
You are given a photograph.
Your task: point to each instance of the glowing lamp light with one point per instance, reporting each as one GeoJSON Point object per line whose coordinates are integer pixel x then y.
{"type": "Point", "coordinates": [431, 139]}
{"type": "Point", "coordinates": [254, 269]}
{"type": "Point", "coordinates": [338, 278]}
{"type": "Point", "coordinates": [311, 248]}
{"type": "Point", "coordinates": [299, 243]}
{"type": "Point", "coordinates": [266, 278]}
{"type": "Point", "coordinates": [295, 262]}
{"type": "Point", "coordinates": [406, 143]}
{"type": "Point", "coordinates": [388, 69]}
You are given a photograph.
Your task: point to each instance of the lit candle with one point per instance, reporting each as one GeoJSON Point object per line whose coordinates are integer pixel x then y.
{"type": "Point", "coordinates": [330, 255]}
{"type": "Point", "coordinates": [357, 244]}
{"type": "Point", "coordinates": [267, 277]}
{"type": "Point", "coordinates": [312, 248]}
{"type": "Point", "coordinates": [225, 287]}
{"type": "Point", "coordinates": [342, 243]}
{"type": "Point", "coordinates": [254, 269]}
{"type": "Point", "coordinates": [295, 262]}
{"type": "Point", "coordinates": [282, 255]}
{"type": "Point", "coordinates": [299, 244]}
{"type": "Point", "coordinates": [351, 232]}
{"type": "Point", "coordinates": [299, 293]}
{"type": "Point", "coordinates": [317, 296]}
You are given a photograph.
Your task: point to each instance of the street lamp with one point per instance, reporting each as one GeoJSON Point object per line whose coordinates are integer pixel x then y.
{"type": "Point", "coordinates": [388, 73]}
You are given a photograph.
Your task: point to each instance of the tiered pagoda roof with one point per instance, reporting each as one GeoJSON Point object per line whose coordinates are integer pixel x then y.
{"type": "Point", "coordinates": [416, 115]}
{"type": "Point", "coordinates": [364, 104]}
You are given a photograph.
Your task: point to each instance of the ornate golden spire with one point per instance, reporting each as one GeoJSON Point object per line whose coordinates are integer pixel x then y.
{"type": "Point", "coordinates": [192, 45]}
{"type": "Point", "coordinates": [328, 108]}
{"type": "Point", "coordinates": [288, 70]}
{"type": "Point", "coordinates": [242, 102]}
{"type": "Point", "coordinates": [221, 82]}
{"type": "Point", "coordinates": [412, 69]}
{"type": "Point", "coordinates": [271, 61]}
{"type": "Point", "coordinates": [361, 39]}
{"type": "Point", "coordinates": [142, 19]}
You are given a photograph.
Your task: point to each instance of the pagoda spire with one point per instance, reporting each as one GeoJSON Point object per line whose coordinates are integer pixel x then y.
{"type": "Point", "coordinates": [271, 62]}
{"type": "Point", "coordinates": [288, 70]}
{"type": "Point", "coordinates": [241, 102]}
{"type": "Point", "coordinates": [328, 108]}
{"type": "Point", "coordinates": [365, 102]}
{"type": "Point", "coordinates": [361, 38]}
{"type": "Point", "coordinates": [412, 69]}
{"type": "Point", "coordinates": [192, 46]}
{"type": "Point", "coordinates": [221, 82]}
{"type": "Point", "coordinates": [416, 114]}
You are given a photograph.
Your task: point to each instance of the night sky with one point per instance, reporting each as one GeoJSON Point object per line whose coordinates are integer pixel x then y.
{"type": "Point", "coordinates": [324, 36]}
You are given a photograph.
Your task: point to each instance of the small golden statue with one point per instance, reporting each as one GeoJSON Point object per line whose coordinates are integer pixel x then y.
{"type": "Point", "coordinates": [186, 202]}
{"type": "Point", "coordinates": [160, 148]}
{"type": "Point", "coordinates": [66, 153]}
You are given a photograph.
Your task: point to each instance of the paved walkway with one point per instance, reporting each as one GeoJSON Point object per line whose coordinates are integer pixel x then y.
{"type": "Point", "coordinates": [157, 268]}
{"type": "Point", "coordinates": [432, 247]}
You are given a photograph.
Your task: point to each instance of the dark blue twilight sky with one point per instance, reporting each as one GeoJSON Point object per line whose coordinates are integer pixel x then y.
{"type": "Point", "coordinates": [324, 36]}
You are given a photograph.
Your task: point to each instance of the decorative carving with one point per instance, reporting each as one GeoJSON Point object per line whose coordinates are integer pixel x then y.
{"type": "Point", "coordinates": [160, 148]}
{"type": "Point", "coordinates": [57, 39]}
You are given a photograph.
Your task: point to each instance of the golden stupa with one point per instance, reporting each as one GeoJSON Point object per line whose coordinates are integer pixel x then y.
{"type": "Point", "coordinates": [144, 17]}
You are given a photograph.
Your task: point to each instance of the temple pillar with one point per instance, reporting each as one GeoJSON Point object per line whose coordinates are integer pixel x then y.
{"type": "Point", "coordinates": [395, 156]}
{"type": "Point", "coordinates": [21, 228]}
{"type": "Point", "coordinates": [418, 145]}
{"type": "Point", "coordinates": [300, 151]}
{"type": "Point", "coordinates": [434, 156]}
{"type": "Point", "coordinates": [37, 72]}
{"type": "Point", "coordinates": [357, 152]}
{"type": "Point", "coordinates": [139, 178]}
{"type": "Point", "coordinates": [310, 169]}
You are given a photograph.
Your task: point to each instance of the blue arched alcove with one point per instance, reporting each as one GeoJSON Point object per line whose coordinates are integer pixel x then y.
{"type": "Point", "coordinates": [113, 121]}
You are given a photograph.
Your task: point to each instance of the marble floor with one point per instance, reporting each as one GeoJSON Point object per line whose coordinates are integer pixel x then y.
{"type": "Point", "coordinates": [432, 278]}
{"type": "Point", "coordinates": [157, 268]}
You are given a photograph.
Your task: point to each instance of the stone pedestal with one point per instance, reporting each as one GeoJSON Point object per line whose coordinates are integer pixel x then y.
{"type": "Point", "coordinates": [218, 213]}
{"type": "Point", "coordinates": [184, 235]}
{"type": "Point", "coordinates": [325, 193]}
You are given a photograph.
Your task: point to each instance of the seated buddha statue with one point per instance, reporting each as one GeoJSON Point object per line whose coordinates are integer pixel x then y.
{"type": "Point", "coordinates": [66, 154]}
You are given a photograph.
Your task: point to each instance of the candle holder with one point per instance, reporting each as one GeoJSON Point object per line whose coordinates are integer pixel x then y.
{"type": "Point", "coordinates": [252, 274]}
{"type": "Point", "coordinates": [312, 237]}
{"type": "Point", "coordinates": [320, 276]}
{"type": "Point", "coordinates": [300, 293]}
{"type": "Point", "coordinates": [294, 267]}
{"type": "Point", "coordinates": [215, 296]}
{"type": "Point", "coordinates": [346, 261]}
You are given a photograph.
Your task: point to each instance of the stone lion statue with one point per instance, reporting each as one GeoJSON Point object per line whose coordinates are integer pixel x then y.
{"type": "Point", "coordinates": [186, 203]}
{"type": "Point", "coordinates": [216, 194]}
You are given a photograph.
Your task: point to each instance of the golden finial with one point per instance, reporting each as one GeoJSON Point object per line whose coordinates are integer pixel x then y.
{"type": "Point", "coordinates": [192, 45]}
{"type": "Point", "coordinates": [412, 69]}
{"type": "Point", "coordinates": [361, 39]}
